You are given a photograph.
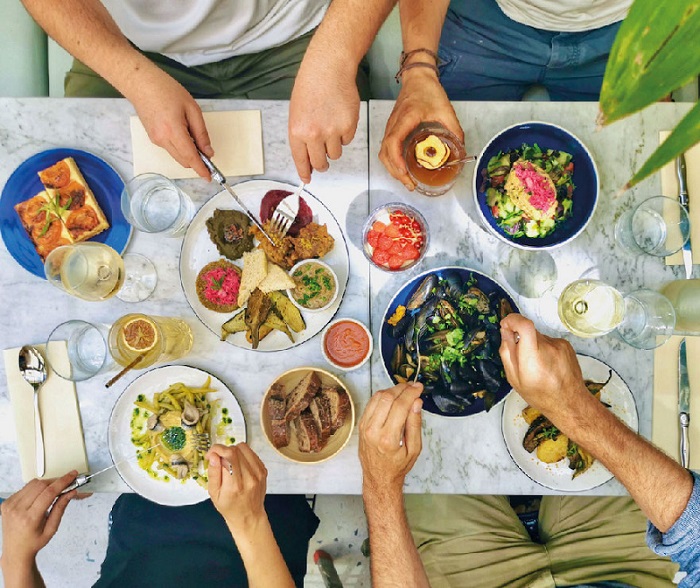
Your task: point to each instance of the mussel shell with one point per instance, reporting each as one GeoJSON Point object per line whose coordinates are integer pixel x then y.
{"type": "Point", "coordinates": [482, 301]}
{"type": "Point", "coordinates": [399, 329]}
{"type": "Point", "coordinates": [453, 284]}
{"type": "Point", "coordinates": [504, 308]}
{"type": "Point", "coordinates": [422, 293]}
{"type": "Point", "coordinates": [397, 358]}
{"type": "Point", "coordinates": [449, 403]}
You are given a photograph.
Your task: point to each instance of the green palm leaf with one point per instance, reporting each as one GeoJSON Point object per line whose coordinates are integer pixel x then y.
{"type": "Point", "coordinates": [655, 52]}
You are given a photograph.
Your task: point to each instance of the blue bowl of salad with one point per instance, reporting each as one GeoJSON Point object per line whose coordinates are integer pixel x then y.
{"type": "Point", "coordinates": [535, 185]}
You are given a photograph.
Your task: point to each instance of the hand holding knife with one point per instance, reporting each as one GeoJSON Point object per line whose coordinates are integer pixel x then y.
{"type": "Point", "coordinates": [683, 199]}
{"type": "Point", "coordinates": [217, 176]}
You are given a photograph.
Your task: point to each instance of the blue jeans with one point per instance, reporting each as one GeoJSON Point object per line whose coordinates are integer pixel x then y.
{"type": "Point", "coordinates": [489, 56]}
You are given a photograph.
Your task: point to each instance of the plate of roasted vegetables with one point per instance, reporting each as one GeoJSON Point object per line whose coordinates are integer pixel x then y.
{"type": "Point", "coordinates": [442, 329]}
{"type": "Point", "coordinates": [544, 453]}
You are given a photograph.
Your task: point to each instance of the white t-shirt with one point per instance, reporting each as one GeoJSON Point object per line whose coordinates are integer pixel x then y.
{"type": "Point", "coordinates": [195, 32]}
{"type": "Point", "coordinates": [566, 15]}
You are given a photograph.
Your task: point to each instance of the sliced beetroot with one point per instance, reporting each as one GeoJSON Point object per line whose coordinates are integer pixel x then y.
{"type": "Point", "coordinates": [273, 198]}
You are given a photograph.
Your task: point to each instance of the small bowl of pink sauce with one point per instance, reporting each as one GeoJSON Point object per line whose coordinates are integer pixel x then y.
{"type": "Point", "coordinates": [346, 344]}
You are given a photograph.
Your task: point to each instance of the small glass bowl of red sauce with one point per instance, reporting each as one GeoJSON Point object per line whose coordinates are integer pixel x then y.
{"type": "Point", "coordinates": [346, 344]}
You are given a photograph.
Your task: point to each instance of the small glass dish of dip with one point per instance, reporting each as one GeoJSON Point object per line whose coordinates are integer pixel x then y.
{"type": "Point", "coordinates": [316, 285]}
{"type": "Point", "coordinates": [346, 344]}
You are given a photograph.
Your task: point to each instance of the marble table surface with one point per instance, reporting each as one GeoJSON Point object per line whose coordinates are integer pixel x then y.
{"type": "Point", "coordinates": [468, 455]}
{"type": "Point", "coordinates": [459, 455]}
{"type": "Point", "coordinates": [101, 126]}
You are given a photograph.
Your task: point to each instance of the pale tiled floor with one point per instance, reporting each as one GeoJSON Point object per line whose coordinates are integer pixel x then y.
{"type": "Point", "coordinates": [74, 555]}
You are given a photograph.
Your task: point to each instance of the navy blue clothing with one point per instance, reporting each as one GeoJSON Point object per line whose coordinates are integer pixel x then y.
{"type": "Point", "coordinates": [153, 545]}
{"type": "Point", "coordinates": [489, 56]}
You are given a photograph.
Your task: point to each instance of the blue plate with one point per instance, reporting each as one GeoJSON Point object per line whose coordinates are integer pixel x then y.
{"type": "Point", "coordinates": [547, 136]}
{"type": "Point", "coordinates": [388, 343]}
{"type": "Point", "coordinates": [24, 183]}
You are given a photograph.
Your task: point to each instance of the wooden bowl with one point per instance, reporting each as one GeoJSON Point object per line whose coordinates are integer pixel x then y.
{"type": "Point", "coordinates": [337, 441]}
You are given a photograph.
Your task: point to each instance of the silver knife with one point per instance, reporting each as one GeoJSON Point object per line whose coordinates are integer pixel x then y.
{"type": "Point", "coordinates": [684, 404]}
{"type": "Point", "coordinates": [217, 176]}
{"type": "Point", "coordinates": [683, 198]}
{"type": "Point", "coordinates": [83, 479]}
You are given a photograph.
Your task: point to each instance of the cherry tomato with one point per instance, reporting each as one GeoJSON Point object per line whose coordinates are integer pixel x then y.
{"type": "Point", "coordinates": [373, 237]}
{"type": "Point", "coordinates": [415, 226]}
{"type": "Point", "coordinates": [395, 262]}
{"type": "Point", "coordinates": [392, 231]}
{"type": "Point", "coordinates": [385, 242]}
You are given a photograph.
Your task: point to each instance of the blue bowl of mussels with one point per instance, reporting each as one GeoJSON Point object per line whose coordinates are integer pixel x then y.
{"type": "Point", "coordinates": [443, 329]}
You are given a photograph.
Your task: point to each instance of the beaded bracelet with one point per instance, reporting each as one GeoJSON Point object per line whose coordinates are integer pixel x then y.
{"type": "Point", "coordinates": [405, 55]}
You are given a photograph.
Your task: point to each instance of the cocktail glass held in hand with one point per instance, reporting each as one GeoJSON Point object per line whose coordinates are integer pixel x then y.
{"type": "Point", "coordinates": [590, 308]}
{"type": "Point", "coordinates": [138, 341]}
{"type": "Point", "coordinates": [432, 153]}
{"type": "Point", "coordinates": [658, 226]}
{"type": "Point", "coordinates": [154, 204]}
{"type": "Point", "coordinates": [94, 271]}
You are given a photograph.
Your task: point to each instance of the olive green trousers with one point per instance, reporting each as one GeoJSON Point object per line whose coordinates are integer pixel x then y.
{"type": "Point", "coordinates": [268, 75]}
{"type": "Point", "coordinates": [479, 542]}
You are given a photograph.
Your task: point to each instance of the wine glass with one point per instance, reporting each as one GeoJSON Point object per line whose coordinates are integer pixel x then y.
{"type": "Point", "coordinates": [643, 319]}
{"type": "Point", "coordinates": [94, 271]}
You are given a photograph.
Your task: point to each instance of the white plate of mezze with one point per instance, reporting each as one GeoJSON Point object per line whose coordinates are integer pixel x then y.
{"type": "Point", "coordinates": [198, 250]}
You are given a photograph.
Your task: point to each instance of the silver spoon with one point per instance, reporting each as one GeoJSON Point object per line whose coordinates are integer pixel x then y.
{"type": "Point", "coordinates": [466, 159]}
{"type": "Point", "coordinates": [33, 370]}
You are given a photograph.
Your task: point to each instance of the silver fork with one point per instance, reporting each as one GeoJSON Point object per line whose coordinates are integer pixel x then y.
{"type": "Point", "coordinates": [286, 213]}
{"type": "Point", "coordinates": [202, 441]}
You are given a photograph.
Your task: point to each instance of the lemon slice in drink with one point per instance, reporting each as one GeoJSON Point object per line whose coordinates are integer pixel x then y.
{"type": "Point", "coordinates": [140, 335]}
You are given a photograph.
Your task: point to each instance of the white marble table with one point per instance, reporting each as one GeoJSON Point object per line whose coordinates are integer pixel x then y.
{"type": "Point", "coordinates": [468, 455]}
{"type": "Point", "coordinates": [102, 127]}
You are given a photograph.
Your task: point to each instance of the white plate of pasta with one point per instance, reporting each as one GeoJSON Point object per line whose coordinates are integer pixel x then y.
{"type": "Point", "coordinates": [154, 426]}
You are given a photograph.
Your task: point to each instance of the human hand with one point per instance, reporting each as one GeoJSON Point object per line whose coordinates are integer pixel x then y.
{"type": "Point", "coordinates": [26, 526]}
{"type": "Point", "coordinates": [172, 118]}
{"type": "Point", "coordinates": [237, 485]}
{"type": "Point", "coordinates": [421, 99]}
{"type": "Point", "coordinates": [390, 436]}
{"type": "Point", "coordinates": [323, 113]}
{"type": "Point", "coordinates": [543, 370]}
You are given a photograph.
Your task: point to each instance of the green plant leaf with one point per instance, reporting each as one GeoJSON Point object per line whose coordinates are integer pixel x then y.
{"type": "Point", "coordinates": [684, 136]}
{"type": "Point", "coordinates": [655, 52]}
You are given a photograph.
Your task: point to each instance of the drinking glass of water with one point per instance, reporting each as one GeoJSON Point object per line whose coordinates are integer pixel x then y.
{"type": "Point", "coordinates": [154, 204]}
{"type": "Point", "coordinates": [86, 344]}
{"type": "Point", "coordinates": [658, 226]}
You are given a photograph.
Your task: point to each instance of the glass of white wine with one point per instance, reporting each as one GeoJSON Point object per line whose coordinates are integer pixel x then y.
{"type": "Point", "coordinates": [94, 271]}
{"type": "Point", "coordinates": [643, 319]}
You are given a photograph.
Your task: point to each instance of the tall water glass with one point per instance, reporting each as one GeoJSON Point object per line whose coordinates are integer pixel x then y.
{"type": "Point", "coordinates": [685, 298]}
{"type": "Point", "coordinates": [86, 344]}
{"type": "Point", "coordinates": [649, 320]}
{"type": "Point", "coordinates": [658, 226]}
{"type": "Point", "coordinates": [154, 204]}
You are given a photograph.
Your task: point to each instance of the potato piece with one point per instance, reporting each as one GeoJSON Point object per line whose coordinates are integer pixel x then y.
{"type": "Point", "coordinates": [530, 414]}
{"type": "Point", "coordinates": [553, 450]}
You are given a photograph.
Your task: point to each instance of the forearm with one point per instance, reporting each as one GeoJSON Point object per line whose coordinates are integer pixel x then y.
{"type": "Point", "coordinates": [346, 33]}
{"type": "Point", "coordinates": [421, 23]}
{"type": "Point", "coordinates": [659, 485]}
{"type": "Point", "coordinates": [86, 30]}
{"type": "Point", "coordinates": [394, 559]}
{"type": "Point", "coordinates": [21, 574]}
{"type": "Point", "coordinates": [261, 555]}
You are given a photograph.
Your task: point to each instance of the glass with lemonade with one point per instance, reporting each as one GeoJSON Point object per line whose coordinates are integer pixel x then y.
{"type": "Point", "coordinates": [139, 341]}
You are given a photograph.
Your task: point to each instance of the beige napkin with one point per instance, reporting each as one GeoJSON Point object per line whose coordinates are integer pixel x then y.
{"type": "Point", "coordinates": [669, 187]}
{"type": "Point", "coordinates": [64, 445]}
{"type": "Point", "coordinates": [236, 137]}
{"type": "Point", "coordinates": [665, 431]}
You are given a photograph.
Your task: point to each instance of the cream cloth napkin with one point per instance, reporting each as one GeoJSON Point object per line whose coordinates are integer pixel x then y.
{"type": "Point", "coordinates": [669, 187]}
{"type": "Point", "coordinates": [64, 444]}
{"type": "Point", "coordinates": [236, 137]}
{"type": "Point", "coordinates": [665, 432]}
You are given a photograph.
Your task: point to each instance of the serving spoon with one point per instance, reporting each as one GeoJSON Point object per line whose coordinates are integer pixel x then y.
{"type": "Point", "coordinates": [33, 370]}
